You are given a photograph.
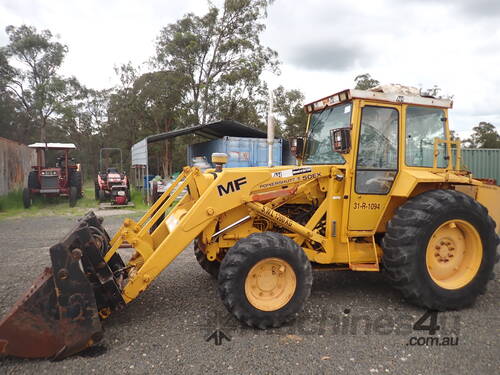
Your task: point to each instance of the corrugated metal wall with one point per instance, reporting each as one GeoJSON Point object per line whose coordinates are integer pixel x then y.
{"type": "Point", "coordinates": [482, 162]}
{"type": "Point", "coordinates": [16, 160]}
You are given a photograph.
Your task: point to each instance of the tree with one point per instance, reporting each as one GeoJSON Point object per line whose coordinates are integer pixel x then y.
{"type": "Point", "coordinates": [159, 97]}
{"type": "Point", "coordinates": [35, 84]}
{"type": "Point", "coordinates": [146, 104]}
{"type": "Point", "coordinates": [221, 58]}
{"type": "Point", "coordinates": [289, 108]}
{"type": "Point", "coordinates": [484, 135]}
{"type": "Point", "coordinates": [365, 82]}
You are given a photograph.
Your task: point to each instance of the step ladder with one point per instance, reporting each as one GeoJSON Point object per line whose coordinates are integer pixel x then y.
{"type": "Point", "coordinates": [373, 267]}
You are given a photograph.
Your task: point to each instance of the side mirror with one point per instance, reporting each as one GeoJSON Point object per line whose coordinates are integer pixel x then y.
{"type": "Point", "coordinates": [297, 147]}
{"type": "Point", "coordinates": [341, 140]}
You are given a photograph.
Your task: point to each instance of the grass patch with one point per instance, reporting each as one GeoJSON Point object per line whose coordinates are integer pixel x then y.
{"type": "Point", "coordinates": [12, 201]}
{"type": "Point", "coordinates": [11, 205]}
{"type": "Point", "coordinates": [138, 200]}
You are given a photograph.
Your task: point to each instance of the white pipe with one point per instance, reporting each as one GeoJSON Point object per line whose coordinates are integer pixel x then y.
{"type": "Point", "coordinates": [270, 131]}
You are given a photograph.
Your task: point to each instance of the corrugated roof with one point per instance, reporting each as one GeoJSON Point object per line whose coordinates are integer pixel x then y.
{"type": "Point", "coordinates": [213, 130]}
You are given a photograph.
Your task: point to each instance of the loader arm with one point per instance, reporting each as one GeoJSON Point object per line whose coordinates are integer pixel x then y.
{"type": "Point", "coordinates": [210, 196]}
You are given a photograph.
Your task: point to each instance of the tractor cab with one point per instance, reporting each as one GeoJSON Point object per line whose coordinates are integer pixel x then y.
{"type": "Point", "coordinates": [377, 124]}
{"type": "Point", "coordinates": [378, 139]}
{"type": "Point", "coordinates": [55, 173]}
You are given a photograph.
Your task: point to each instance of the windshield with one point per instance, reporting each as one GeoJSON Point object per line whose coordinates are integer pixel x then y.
{"type": "Point", "coordinates": [318, 146]}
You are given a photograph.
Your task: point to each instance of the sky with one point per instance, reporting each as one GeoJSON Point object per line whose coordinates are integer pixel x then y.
{"type": "Point", "coordinates": [322, 44]}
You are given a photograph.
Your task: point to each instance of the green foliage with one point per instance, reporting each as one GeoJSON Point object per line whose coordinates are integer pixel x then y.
{"type": "Point", "coordinates": [365, 82]}
{"type": "Point", "coordinates": [35, 85]}
{"type": "Point", "coordinates": [138, 199]}
{"type": "Point", "coordinates": [484, 135]}
{"type": "Point", "coordinates": [11, 201]}
{"type": "Point", "coordinates": [289, 107]}
{"type": "Point", "coordinates": [221, 58]}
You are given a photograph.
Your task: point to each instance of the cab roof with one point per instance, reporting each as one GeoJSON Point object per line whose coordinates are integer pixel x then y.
{"type": "Point", "coordinates": [396, 94]}
{"type": "Point", "coordinates": [53, 146]}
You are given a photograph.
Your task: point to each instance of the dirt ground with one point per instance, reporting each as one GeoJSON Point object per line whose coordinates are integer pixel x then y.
{"type": "Point", "coordinates": [354, 323]}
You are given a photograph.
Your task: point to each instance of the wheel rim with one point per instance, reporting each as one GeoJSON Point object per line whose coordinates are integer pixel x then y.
{"type": "Point", "coordinates": [454, 254]}
{"type": "Point", "coordinates": [270, 284]}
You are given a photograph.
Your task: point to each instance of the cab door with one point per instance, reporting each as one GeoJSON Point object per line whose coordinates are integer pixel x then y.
{"type": "Point", "coordinates": [376, 164]}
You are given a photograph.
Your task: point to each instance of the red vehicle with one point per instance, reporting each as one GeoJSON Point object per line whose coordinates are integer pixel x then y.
{"type": "Point", "coordinates": [112, 184]}
{"type": "Point", "coordinates": [64, 179]}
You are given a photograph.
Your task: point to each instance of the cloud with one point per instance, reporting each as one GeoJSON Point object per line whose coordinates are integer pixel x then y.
{"type": "Point", "coordinates": [327, 56]}
{"type": "Point", "coordinates": [471, 9]}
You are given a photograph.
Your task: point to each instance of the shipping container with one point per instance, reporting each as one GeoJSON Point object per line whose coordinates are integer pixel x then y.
{"type": "Point", "coordinates": [242, 152]}
{"type": "Point", "coordinates": [482, 162]}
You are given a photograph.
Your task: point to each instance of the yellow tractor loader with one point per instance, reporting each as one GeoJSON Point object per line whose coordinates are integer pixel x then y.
{"type": "Point", "coordinates": [378, 185]}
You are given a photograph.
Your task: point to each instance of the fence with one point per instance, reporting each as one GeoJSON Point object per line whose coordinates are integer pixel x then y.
{"type": "Point", "coordinates": [16, 160]}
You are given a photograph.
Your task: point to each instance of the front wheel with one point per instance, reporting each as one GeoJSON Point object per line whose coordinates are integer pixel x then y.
{"type": "Point", "coordinates": [211, 267]}
{"type": "Point", "coordinates": [440, 249]}
{"type": "Point", "coordinates": [265, 280]}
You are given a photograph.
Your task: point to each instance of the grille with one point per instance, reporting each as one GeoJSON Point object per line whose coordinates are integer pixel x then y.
{"type": "Point", "coordinates": [49, 182]}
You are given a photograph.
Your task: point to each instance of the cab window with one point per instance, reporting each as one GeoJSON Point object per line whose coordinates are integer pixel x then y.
{"type": "Point", "coordinates": [318, 145]}
{"type": "Point", "coordinates": [377, 161]}
{"type": "Point", "coordinates": [423, 125]}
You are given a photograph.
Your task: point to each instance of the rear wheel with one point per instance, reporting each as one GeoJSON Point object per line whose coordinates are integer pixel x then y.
{"type": "Point", "coordinates": [33, 180]}
{"type": "Point", "coordinates": [26, 198]}
{"type": "Point", "coordinates": [102, 195]}
{"type": "Point", "coordinates": [265, 280]}
{"type": "Point", "coordinates": [440, 249]}
{"type": "Point", "coordinates": [96, 191]}
{"type": "Point", "coordinates": [76, 180]}
{"type": "Point", "coordinates": [73, 195]}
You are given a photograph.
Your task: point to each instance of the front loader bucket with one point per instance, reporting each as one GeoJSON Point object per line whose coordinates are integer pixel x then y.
{"type": "Point", "coordinates": [59, 315]}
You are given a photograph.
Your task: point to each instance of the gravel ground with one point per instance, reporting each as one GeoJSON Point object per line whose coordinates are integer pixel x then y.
{"type": "Point", "coordinates": [354, 323]}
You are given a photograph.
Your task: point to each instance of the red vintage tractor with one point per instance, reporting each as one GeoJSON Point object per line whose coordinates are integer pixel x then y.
{"type": "Point", "coordinates": [111, 184]}
{"type": "Point", "coordinates": [63, 179]}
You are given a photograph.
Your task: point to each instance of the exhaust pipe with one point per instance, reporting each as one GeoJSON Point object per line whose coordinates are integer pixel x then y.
{"type": "Point", "coordinates": [270, 131]}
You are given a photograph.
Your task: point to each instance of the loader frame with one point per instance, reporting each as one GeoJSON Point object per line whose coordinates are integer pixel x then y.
{"type": "Point", "coordinates": [224, 207]}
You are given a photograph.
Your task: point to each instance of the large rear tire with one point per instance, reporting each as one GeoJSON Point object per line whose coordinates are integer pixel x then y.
{"type": "Point", "coordinates": [102, 196]}
{"type": "Point", "coordinates": [33, 180]}
{"type": "Point", "coordinates": [76, 181]}
{"type": "Point", "coordinates": [265, 280]}
{"type": "Point", "coordinates": [26, 198]}
{"type": "Point", "coordinates": [211, 268]}
{"type": "Point", "coordinates": [73, 196]}
{"type": "Point", "coordinates": [440, 249]}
